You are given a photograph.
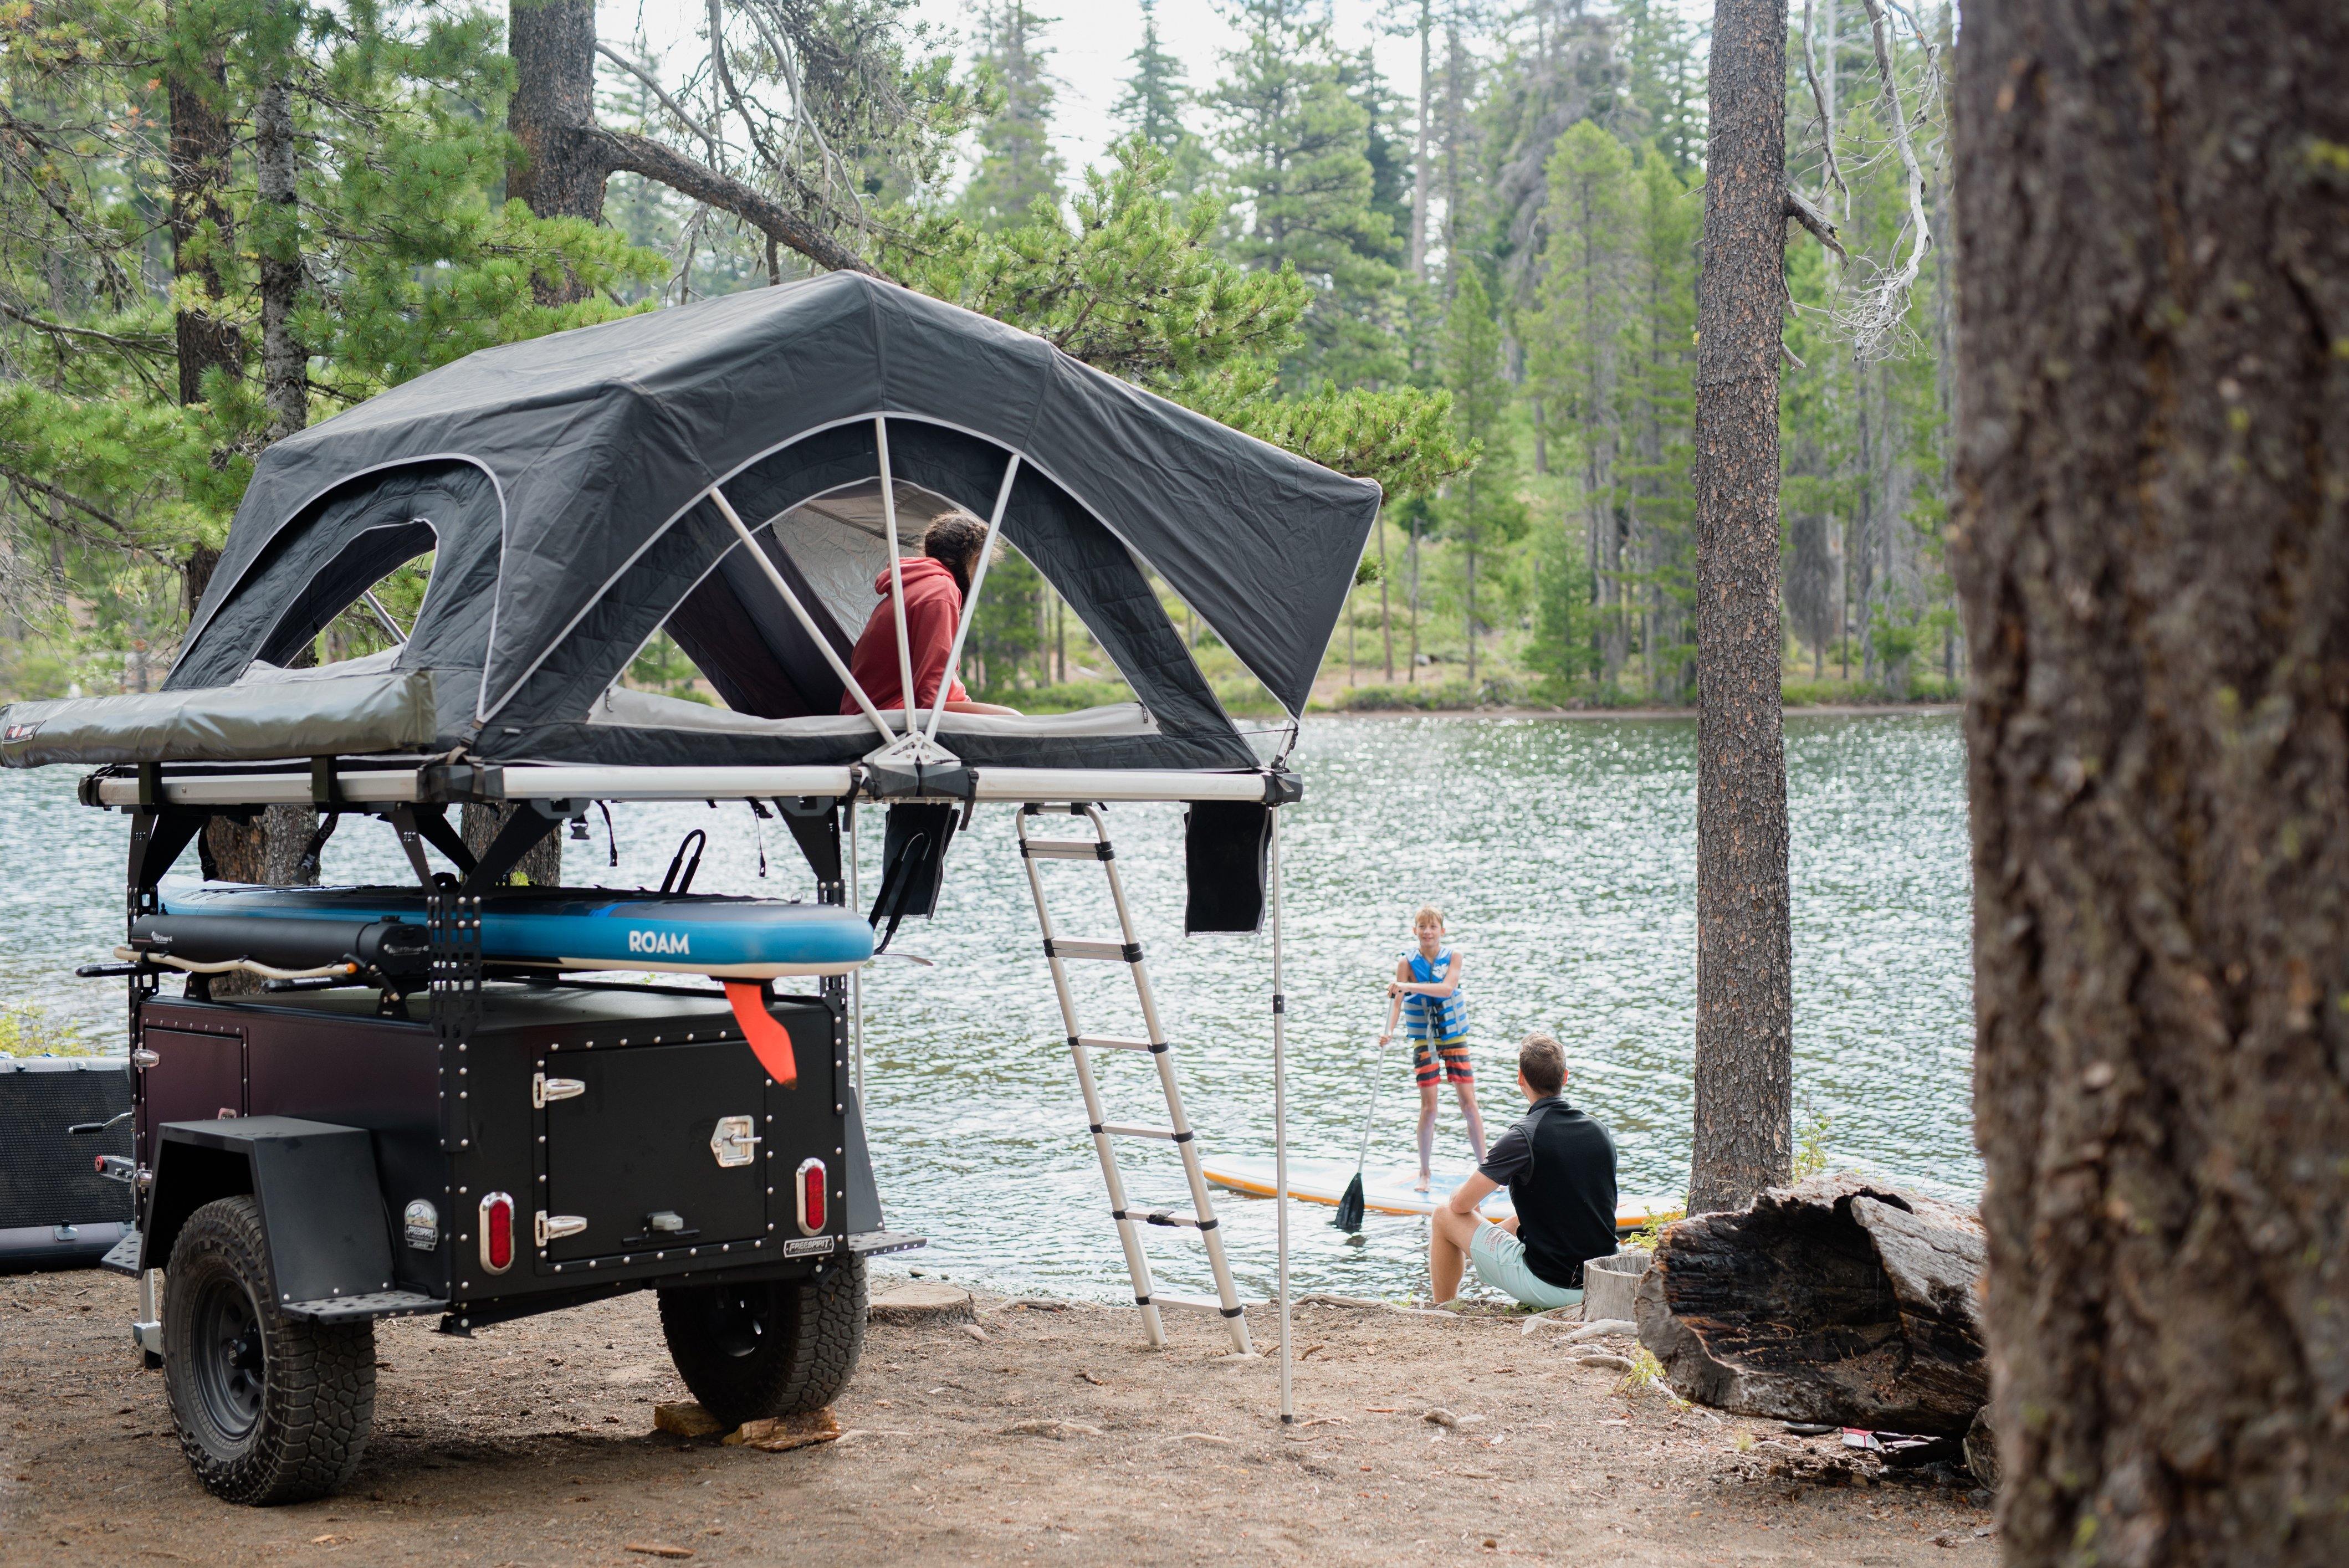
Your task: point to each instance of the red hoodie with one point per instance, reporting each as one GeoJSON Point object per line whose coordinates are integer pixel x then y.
{"type": "Point", "coordinates": [933, 610]}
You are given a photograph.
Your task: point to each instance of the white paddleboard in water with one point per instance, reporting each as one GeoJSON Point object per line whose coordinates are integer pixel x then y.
{"type": "Point", "coordinates": [1393, 1190]}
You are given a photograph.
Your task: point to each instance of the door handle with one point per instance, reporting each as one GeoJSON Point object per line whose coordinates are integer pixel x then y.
{"type": "Point", "coordinates": [555, 1227]}
{"type": "Point", "coordinates": [543, 1090]}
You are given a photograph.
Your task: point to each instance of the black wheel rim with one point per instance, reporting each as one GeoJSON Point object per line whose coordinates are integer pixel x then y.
{"type": "Point", "coordinates": [225, 1343]}
{"type": "Point", "coordinates": [740, 1320]}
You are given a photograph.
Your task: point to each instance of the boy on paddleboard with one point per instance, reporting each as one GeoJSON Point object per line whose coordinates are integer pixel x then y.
{"type": "Point", "coordinates": [1425, 996]}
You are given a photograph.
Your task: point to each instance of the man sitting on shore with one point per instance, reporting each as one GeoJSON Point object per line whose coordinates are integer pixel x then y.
{"type": "Point", "coordinates": [1559, 1168]}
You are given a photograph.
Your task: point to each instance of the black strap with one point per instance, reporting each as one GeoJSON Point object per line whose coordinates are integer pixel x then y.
{"type": "Point", "coordinates": [896, 884]}
{"type": "Point", "coordinates": [306, 868]}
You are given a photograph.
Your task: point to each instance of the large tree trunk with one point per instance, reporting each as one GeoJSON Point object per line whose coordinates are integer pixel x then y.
{"type": "Point", "coordinates": [1745, 1004]}
{"type": "Point", "coordinates": [2152, 547]}
{"type": "Point", "coordinates": [284, 362]}
{"type": "Point", "coordinates": [201, 229]}
{"type": "Point", "coordinates": [562, 173]}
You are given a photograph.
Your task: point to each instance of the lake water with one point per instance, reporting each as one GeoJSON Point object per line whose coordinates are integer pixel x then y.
{"type": "Point", "coordinates": [1564, 852]}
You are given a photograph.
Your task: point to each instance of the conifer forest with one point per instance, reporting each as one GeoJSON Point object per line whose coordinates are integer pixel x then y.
{"type": "Point", "coordinates": [222, 221]}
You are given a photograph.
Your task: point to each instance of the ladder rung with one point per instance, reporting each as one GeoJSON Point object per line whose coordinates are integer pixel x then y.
{"type": "Point", "coordinates": [1067, 850]}
{"type": "Point", "coordinates": [1194, 1304]}
{"type": "Point", "coordinates": [1135, 1130]}
{"type": "Point", "coordinates": [1112, 1043]}
{"type": "Point", "coordinates": [1168, 1217]}
{"type": "Point", "coordinates": [1074, 947]}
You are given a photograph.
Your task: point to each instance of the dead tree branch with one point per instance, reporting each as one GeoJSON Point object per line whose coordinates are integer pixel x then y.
{"type": "Point", "coordinates": [642, 155]}
{"type": "Point", "coordinates": [709, 139]}
{"type": "Point", "coordinates": [1886, 302]}
{"type": "Point", "coordinates": [1822, 227]}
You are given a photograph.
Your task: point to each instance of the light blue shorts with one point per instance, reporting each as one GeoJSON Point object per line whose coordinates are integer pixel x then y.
{"type": "Point", "coordinates": [1500, 1261]}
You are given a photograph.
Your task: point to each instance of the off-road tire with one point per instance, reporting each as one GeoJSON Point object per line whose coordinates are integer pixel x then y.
{"type": "Point", "coordinates": [775, 1347]}
{"type": "Point", "coordinates": [269, 1408]}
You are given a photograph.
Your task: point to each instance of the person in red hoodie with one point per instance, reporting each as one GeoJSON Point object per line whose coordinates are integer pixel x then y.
{"type": "Point", "coordinates": [937, 583]}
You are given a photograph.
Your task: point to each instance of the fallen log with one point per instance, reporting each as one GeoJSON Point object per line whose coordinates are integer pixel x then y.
{"type": "Point", "coordinates": [1834, 1300]}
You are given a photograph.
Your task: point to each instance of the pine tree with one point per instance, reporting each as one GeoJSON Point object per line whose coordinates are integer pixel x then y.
{"type": "Point", "coordinates": [1152, 108]}
{"type": "Point", "coordinates": [1018, 165]}
{"type": "Point", "coordinates": [1575, 344]}
{"type": "Point", "coordinates": [1483, 511]}
{"type": "Point", "coordinates": [1296, 145]}
{"type": "Point", "coordinates": [1656, 392]}
{"type": "Point", "coordinates": [1661, 49]}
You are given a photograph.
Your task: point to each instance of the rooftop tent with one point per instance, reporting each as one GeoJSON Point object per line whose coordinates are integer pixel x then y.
{"type": "Point", "coordinates": [565, 488]}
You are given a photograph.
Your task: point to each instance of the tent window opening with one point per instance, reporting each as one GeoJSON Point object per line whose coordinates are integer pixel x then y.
{"type": "Point", "coordinates": [365, 602]}
{"type": "Point", "coordinates": [733, 644]}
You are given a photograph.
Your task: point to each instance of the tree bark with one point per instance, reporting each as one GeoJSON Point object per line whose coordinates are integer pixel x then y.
{"type": "Point", "coordinates": [1745, 1001]}
{"type": "Point", "coordinates": [2151, 542]}
{"type": "Point", "coordinates": [542, 867]}
{"type": "Point", "coordinates": [201, 227]}
{"type": "Point", "coordinates": [1835, 1300]}
{"type": "Point", "coordinates": [284, 362]}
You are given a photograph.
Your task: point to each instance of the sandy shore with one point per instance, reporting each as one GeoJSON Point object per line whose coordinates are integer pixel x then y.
{"type": "Point", "coordinates": [533, 1443]}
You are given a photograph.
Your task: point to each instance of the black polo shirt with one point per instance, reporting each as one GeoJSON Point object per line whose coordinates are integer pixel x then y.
{"type": "Point", "coordinates": [1559, 1168]}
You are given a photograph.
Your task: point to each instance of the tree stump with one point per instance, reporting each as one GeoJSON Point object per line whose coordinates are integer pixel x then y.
{"type": "Point", "coordinates": [1832, 1300]}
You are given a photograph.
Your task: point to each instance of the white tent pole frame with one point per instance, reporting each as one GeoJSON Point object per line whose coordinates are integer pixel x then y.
{"type": "Point", "coordinates": [906, 697]}
{"type": "Point", "coordinates": [807, 622]}
{"type": "Point", "coordinates": [855, 976]}
{"type": "Point", "coordinates": [970, 600]}
{"type": "Point", "coordinates": [1281, 1120]}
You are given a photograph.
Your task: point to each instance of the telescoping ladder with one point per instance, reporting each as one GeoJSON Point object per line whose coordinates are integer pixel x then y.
{"type": "Point", "coordinates": [1060, 951]}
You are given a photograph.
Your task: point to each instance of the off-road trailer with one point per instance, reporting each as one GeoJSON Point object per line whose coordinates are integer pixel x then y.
{"type": "Point", "coordinates": [443, 1136]}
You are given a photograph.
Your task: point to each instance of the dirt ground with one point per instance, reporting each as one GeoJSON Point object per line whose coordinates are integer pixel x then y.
{"type": "Point", "coordinates": [533, 1443]}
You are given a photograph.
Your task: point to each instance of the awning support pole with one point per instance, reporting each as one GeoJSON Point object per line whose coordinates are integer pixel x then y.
{"type": "Point", "coordinates": [906, 699]}
{"type": "Point", "coordinates": [1281, 1120]}
{"type": "Point", "coordinates": [970, 602]}
{"type": "Point", "coordinates": [856, 976]}
{"type": "Point", "coordinates": [807, 622]}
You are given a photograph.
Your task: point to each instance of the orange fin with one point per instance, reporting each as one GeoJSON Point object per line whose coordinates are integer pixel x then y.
{"type": "Point", "coordinates": [770, 1041]}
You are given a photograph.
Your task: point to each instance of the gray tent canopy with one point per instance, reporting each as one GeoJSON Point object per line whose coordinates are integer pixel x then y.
{"type": "Point", "coordinates": [573, 492]}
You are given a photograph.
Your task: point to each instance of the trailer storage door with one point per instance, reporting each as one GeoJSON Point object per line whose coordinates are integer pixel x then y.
{"type": "Point", "coordinates": [646, 1145]}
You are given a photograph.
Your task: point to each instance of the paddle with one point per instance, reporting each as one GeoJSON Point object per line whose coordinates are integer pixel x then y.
{"type": "Point", "coordinates": [1351, 1208]}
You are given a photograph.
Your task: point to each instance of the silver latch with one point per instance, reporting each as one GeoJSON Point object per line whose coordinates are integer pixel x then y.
{"type": "Point", "coordinates": [543, 1088]}
{"type": "Point", "coordinates": [734, 1141]}
{"type": "Point", "coordinates": [666, 1220]}
{"type": "Point", "coordinates": [143, 1059]}
{"type": "Point", "coordinates": [555, 1227]}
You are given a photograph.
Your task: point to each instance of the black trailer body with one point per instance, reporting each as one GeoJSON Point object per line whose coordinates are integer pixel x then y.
{"type": "Point", "coordinates": [628, 1133]}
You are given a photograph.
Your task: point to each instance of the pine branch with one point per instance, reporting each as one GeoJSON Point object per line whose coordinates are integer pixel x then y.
{"type": "Point", "coordinates": [642, 155]}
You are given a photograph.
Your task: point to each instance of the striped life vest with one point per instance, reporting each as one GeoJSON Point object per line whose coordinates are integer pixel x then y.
{"type": "Point", "coordinates": [1434, 1017]}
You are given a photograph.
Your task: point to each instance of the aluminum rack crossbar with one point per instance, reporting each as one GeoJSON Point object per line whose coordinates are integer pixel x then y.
{"type": "Point", "coordinates": [1128, 1219]}
{"type": "Point", "coordinates": [280, 784]}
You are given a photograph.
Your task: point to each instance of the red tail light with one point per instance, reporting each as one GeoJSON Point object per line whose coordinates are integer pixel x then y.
{"type": "Point", "coordinates": [813, 1210]}
{"type": "Point", "coordinates": [497, 1233]}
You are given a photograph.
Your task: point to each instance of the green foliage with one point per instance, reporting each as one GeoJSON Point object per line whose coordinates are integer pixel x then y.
{"type": "Point", "coordinates": [1130, 280]}
{"type": "Point", "coordinates": [28, 1031]}
{"type": "Point", "coordinates": [1811, 1145]}
{"type": "Point", "coordinates": [1296, 149]}
{"type": "Point", "coordinates": [1153, 106]}
{"type": "Point", "coordinates": [1006, 629]}
{"type": "Point", "coordinates": [1017, 165]}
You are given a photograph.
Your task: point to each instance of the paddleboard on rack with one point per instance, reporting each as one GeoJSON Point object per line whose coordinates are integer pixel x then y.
{"type": "Point", "coordinates": [1393, 1190]}
{"type": "Point", "coordinates": [579, 928]}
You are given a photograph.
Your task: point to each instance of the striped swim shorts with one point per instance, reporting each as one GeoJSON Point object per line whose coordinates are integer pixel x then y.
{"type": "Point", "coordinates": [1456, 1067]}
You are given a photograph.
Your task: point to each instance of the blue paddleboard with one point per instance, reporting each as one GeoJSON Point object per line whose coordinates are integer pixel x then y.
{"type": "Point", "coordinates": [571, 928]}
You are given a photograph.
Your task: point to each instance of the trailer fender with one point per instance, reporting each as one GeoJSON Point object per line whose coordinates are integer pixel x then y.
{"type": "Point", "coordinates": [321, 1204]}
